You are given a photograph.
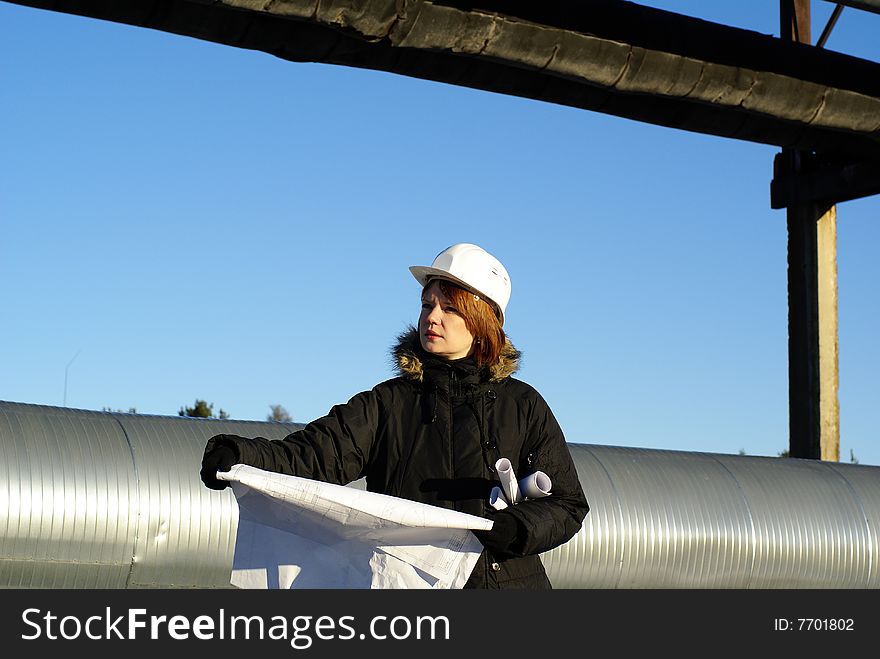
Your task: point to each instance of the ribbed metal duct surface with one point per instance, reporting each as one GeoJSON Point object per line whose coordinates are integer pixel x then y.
{"type": "Point", "coordinates": [668, 519]}
{"type": "Point", "coordinates": [109, 500]}
{"type": "Point", "coordinates": [106, 500]}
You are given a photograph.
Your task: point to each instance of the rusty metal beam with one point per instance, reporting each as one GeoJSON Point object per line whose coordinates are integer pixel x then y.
{"type": "Point", "coordinates": [822, 180]}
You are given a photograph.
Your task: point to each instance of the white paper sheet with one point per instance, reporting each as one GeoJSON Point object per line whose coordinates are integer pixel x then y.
{"type": "Point", "coordinates": [301, 533]}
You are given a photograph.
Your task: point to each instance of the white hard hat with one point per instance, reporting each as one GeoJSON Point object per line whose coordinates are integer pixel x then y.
{"type": "Point", "coordinates": [473, 268]}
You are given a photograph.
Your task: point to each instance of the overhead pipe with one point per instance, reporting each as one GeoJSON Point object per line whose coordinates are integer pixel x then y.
{"type": "Point", "coordinates": [865, 5]}
{"type": "Point", "coordinates": [608, 56]}
{"type": "Point", "coordinates": [112, 500]}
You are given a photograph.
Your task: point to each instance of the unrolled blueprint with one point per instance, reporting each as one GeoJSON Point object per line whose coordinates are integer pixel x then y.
{"type": "Point", "coordinates": [301, 533]}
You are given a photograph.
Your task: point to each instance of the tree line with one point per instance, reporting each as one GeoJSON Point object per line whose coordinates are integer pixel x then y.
{"type": "Point", "coordinates": [205, 410]}
{"type": "Point", "coordinates": [202, 409]}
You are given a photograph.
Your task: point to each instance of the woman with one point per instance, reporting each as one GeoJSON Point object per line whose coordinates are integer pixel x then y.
{"type": "Point", "coordinates": [434, 433]}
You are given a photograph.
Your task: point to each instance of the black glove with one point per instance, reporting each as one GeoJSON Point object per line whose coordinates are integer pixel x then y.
{"type": "Point", "coordinates": [503, 536]}
{"type": "Point", "coordinates": [219, 457]}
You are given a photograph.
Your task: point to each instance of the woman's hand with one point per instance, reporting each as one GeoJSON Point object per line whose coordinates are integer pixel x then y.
{"type": "Point", "coordinates": [220, 457]}
{"type": "Point", "coordinates": [502, 539]}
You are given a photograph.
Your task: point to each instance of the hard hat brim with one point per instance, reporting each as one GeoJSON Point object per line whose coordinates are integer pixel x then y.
{"type": "Point", "coordinates": [423, 273]}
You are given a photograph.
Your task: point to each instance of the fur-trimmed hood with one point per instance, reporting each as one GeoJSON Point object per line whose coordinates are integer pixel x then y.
{"type": "Point", "coordinates": [406, 354]}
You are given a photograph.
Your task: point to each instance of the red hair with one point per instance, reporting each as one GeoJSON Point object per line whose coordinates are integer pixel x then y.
{"type": "Point", "coordinates": [480, 319]}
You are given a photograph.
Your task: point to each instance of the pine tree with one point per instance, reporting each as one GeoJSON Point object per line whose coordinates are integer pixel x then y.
{"type": "Point", "coordinates": [202, 409]}
{"type": "Point", "coordinates": [279, 414]}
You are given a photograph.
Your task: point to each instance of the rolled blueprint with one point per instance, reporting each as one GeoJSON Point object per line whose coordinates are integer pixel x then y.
{"type": "Point", "coordinates": [535, 486]}
{"type": "Point", "coordinates": [508, 480]}
{"type": "Point", "coordinates": [496, 499]}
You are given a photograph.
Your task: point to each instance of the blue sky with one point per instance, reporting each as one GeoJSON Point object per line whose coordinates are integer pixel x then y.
{"type": "Point", "coordinates": [186, 220]}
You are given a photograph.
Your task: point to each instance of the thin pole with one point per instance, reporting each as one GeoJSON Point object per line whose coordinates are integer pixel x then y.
{"type": "Point", "coordinates": [65, 375]}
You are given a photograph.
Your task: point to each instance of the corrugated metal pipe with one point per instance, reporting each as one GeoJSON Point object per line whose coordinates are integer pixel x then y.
{"type": "Point", "coordinates": [111, 500]}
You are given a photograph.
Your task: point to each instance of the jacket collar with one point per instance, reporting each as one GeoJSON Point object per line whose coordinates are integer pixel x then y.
{"type": "Point", "coordinates": [410, 359]}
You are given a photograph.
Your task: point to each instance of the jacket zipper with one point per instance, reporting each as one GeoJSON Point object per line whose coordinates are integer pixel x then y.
{"type": "Point", "coordinates": [483, 561]}
{"type": "Point", "coordinates": [452, 385]}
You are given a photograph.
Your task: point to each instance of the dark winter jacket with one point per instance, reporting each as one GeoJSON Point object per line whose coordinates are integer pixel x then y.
{"type": "Point", "coordinates": [433, 434]}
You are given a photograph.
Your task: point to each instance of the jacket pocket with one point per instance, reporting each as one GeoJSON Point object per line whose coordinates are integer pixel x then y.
{"type": "Point", "coordinates": [524, 573]}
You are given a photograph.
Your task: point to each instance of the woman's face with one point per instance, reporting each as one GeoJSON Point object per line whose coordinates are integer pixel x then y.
{"type": "Point", "coordinates": [442, 330]}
